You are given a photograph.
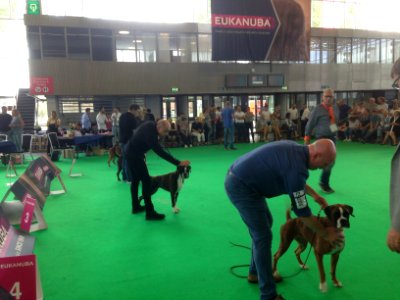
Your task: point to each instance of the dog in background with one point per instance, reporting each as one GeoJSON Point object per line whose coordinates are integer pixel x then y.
{"type": "Point", "coordinates": [337, 216]}
{"type": "Point", "coordinates": [171, 182]}
{"type": "Point", "coordinates": [113, 153]}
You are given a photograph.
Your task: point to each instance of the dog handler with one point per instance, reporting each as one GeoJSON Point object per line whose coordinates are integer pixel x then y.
{"type": "Point", "coordinates": [272, 170]}
{"type": "Point", "coordinates": [144, 139]}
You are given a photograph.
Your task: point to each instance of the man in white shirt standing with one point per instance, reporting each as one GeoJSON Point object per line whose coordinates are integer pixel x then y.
{"type": "Point", "coordinates": [101, 121]}
{"type": "Point", "coordinates": [115, 124]}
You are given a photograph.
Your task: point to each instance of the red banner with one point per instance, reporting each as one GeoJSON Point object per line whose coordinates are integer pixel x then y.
{"type": "Point", "coordinates": [42, 86]}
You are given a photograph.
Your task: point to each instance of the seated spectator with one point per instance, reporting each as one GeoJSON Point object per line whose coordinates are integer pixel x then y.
{"type": "Point", "coordinates": [198, 131]}
{"type": "Point", "coordinates": [290, 127]}
{"type": "Point", "coordinates": [353, 129]}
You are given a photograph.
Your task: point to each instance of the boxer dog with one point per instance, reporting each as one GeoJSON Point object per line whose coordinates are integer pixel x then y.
{"type": "Point", "coordinates": [115, 152]}
{"type": "Point", "coordinates": [337, 216]}
{"type": "Point", "coordinates": [171, 182]}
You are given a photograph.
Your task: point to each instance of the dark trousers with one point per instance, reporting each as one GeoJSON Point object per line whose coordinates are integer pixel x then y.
{"type": "Point", "coordinates": [326, 173]}
{"type": "Point", "coordinates": [139, 172]}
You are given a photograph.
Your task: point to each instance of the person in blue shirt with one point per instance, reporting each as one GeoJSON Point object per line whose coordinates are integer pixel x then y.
{"type": "Point", "coordinates": [85, 121]}
{"type": "Point", "coordinates": [227, 118]}
{"type": "Point", "coordinates": [269, 171]}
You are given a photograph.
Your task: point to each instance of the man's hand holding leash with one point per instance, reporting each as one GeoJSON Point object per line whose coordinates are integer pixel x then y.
{"type": "Point", "coordinates": [184, 163]}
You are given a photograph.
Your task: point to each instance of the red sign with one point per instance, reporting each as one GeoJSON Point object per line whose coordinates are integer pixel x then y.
{"type": "Point", "coordinates": [27, 214]}
{"type": "Point", "coordinates": [42, 86]}
{"type": "Point", "coordinates": [18, 276]}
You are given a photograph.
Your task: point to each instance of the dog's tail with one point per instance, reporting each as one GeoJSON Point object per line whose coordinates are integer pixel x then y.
{"type": "Point", "coordinates": [288, 217]}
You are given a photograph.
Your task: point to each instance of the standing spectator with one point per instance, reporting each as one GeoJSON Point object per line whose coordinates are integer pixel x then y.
{"type": "Point", "coordinates": [240, 128]}
{"type": "Point", "coordinates": [219, 127]}
{"type": "Point", "coordinates": [115, 124]}
{"type": "Point", "coordinates": [304, 118]}
{"type": "Point", "coordinates": [249, 123]}
{"type": "Point", "coordinates": [101, 120]}
{"type": "Point", "coordinates": [127, 124]}
{"type": "Point", "coordinates": [294, 117]}
{"type": "Point", "coordinates": [85, 121]}
{"type": "Point", "coordinates": [227, 119]}
{"type": "Point", "coordinates": [108, 122]}
{"type": "Point", "coordinates": [265, 121]}
{"type": "Point", "coordinates": [213, 120]}
{"type": "Point", "coordinates": [323, 120]}
{"type": "Point", "coordinates": [207, 124]}
{"type": "Point", "coordinates": [16, 126]}
{"type": "Point", "coordinates": [5, 120]}
{"type": "Point", "coordinates": [53, 123]}
{"type": "Point", "coordinates": [149, 116]}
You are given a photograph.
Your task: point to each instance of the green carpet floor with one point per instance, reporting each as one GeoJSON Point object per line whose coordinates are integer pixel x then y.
{"type": "Point", "coordinates": [95, 248]}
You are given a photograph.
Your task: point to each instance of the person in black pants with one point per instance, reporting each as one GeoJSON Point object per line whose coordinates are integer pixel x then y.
{"type": "Point", "coordinates": [144, 139]}
{"type": "Point", "coordinates": [127, 124]}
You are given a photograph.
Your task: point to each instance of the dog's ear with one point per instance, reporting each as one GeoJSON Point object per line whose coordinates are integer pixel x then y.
{"type": "Point", "coordinates": [349, 210]}
{"type": "Point", "coordinates": [328, 211]}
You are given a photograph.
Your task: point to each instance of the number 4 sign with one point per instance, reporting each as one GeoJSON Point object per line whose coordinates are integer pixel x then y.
{"type": "Point", "coordinates": [20, 278]}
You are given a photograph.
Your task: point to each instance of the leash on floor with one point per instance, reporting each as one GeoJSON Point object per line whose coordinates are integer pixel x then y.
{"type": "Point", "coordinates": [233, 268]}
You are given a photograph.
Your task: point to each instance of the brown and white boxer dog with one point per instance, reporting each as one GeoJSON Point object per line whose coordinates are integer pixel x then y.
{"type": "Point", "coordinates": [294, 229]}
{"type": "Point", "coordinates": [115, 152]}
{"type": "Point", "coordinates": [171, 182]}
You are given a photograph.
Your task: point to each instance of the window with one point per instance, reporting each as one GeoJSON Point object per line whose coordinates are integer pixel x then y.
{"type": "Point", "coordinates": [343, 50]}
{"type": "Point", "coordinates": [386, 51]}
{"type": "Point", "coordinates": [315, 50]}
{"type": "Point", "coordinates": [359, 51]}
{"type": "Point", "coordinates": [146, 47]}
{"type": "Point", "coordinates": [34, 42]}
{"type": "Point", "coordinates": [75, 104]}
{"type": "Point", "coordinates": [396, 49]}
{"type": "Point", "coordinates": [328, 49]}
{"type": "Point", "coordinates": [373, 51]}
{"type": "Point", "coordinates": [53, 41]}
{"type": "Point", "coordinates": [126, 48]}
{"type": "Point", "coordinates": [204, 47]}
{"type": "Point", "coordinates": [177, 47]}
{"type": "Point", "coordinates": [102, 47]}
{"type": "Point", "coordinates": [78, 43]}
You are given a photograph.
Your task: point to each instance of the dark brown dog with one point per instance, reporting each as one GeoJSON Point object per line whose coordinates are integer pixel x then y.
{"type": "Point", "coordinates": [294, 229]}
{"type": "Point", "coordinates": [171, 182]}
{"type": "Point", "coordinates": [113, 153]}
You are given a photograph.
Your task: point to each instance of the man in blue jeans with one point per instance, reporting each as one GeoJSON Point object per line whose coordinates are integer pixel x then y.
{"type": "Point", "coordinates": [268, 171]}
{"type": "Point", "coordinates": [227, 118]}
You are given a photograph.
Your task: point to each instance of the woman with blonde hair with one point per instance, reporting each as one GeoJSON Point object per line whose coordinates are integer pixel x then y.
{"type": "Point", "coordinates": [53, 123]}
{"type": "Point", "coordinates": [16, 126]}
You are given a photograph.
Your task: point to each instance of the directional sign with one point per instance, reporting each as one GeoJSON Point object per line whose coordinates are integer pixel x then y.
{"type": "Point", "coordinates": [42, 86]}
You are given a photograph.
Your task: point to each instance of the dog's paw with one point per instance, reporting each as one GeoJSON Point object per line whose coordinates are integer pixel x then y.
{"type": "Point", "coordinates": [176, 210]}
{"type": "Point", "coordinates": [337, 284]}
{"type": "Point", "coordinates": [304, 267]}
{"type": "Point", "coordinates": [323, 287]}
{"type": "Point", "coordinates": [277, 277]}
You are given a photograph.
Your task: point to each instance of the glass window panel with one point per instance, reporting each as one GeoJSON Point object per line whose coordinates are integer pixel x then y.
{"type": "Point", "coordinates": [204, 47]}
{"type": "Point", "coordinates": [53, 42]}
{"type": "Point", "coordinates": [163, 47]}
{"type": "Point", "coordinates": [146, 47]}
{"type": "Point", "coordinates": [199, 105]}
{"type": "Point", "coordinates": [126, 48]}
{"type": "Point", "coordinates": [190, 109]}
{"type": "Point", "coordinates": [180, 47]}
{"type": "Point", "coordinates": [343, 50]}
{"type": "Point", "coordinates": [386, 51]}
{"type": "Point", "coordinates": [315, 50]}
{"type": "Point", "coordinates": [102, 48]}
{"type": "Point", "coordinates": [328, 49]}
{"type": "Point", "coordinates": [78, 43]}
{"type": "Point", "coordinates": [373, 51]}
{"type": "Point", "coordinates": [359, 51]}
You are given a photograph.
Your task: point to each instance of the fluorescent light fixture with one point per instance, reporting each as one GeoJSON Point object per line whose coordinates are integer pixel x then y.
{"type": "Point", "coordinates": [123, 32]}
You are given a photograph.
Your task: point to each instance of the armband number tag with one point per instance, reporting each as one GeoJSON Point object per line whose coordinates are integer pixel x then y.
{"type": "Point", "coordinates": [300, 199]}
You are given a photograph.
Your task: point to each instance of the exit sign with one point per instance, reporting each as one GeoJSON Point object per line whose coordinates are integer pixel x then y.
{"type": "Point", "coordinates": [174, 89]}
{"type": "Point", "coordinates": [33, 7]}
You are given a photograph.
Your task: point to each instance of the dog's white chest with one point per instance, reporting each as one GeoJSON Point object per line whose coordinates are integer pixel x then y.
{"type": "Point", "coordinates": [179, 183]}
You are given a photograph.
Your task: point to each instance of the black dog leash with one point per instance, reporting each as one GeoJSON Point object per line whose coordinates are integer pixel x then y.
{"type": "Point", "coordinates": [233, 268]}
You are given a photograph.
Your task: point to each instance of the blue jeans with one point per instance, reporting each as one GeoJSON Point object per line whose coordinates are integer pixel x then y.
{"type": "Point", "coordinates": [255, 213]}
{"type": "Point", "coordinates": [326, 173]}
{"type": "Point", "coordinates": [229, 137]}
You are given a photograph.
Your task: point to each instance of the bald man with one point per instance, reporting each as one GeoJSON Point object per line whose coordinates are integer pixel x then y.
{"type": "Point", "coordinates": [145, 139]}
{"type": "Point", "coordinates": [269, 171]}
